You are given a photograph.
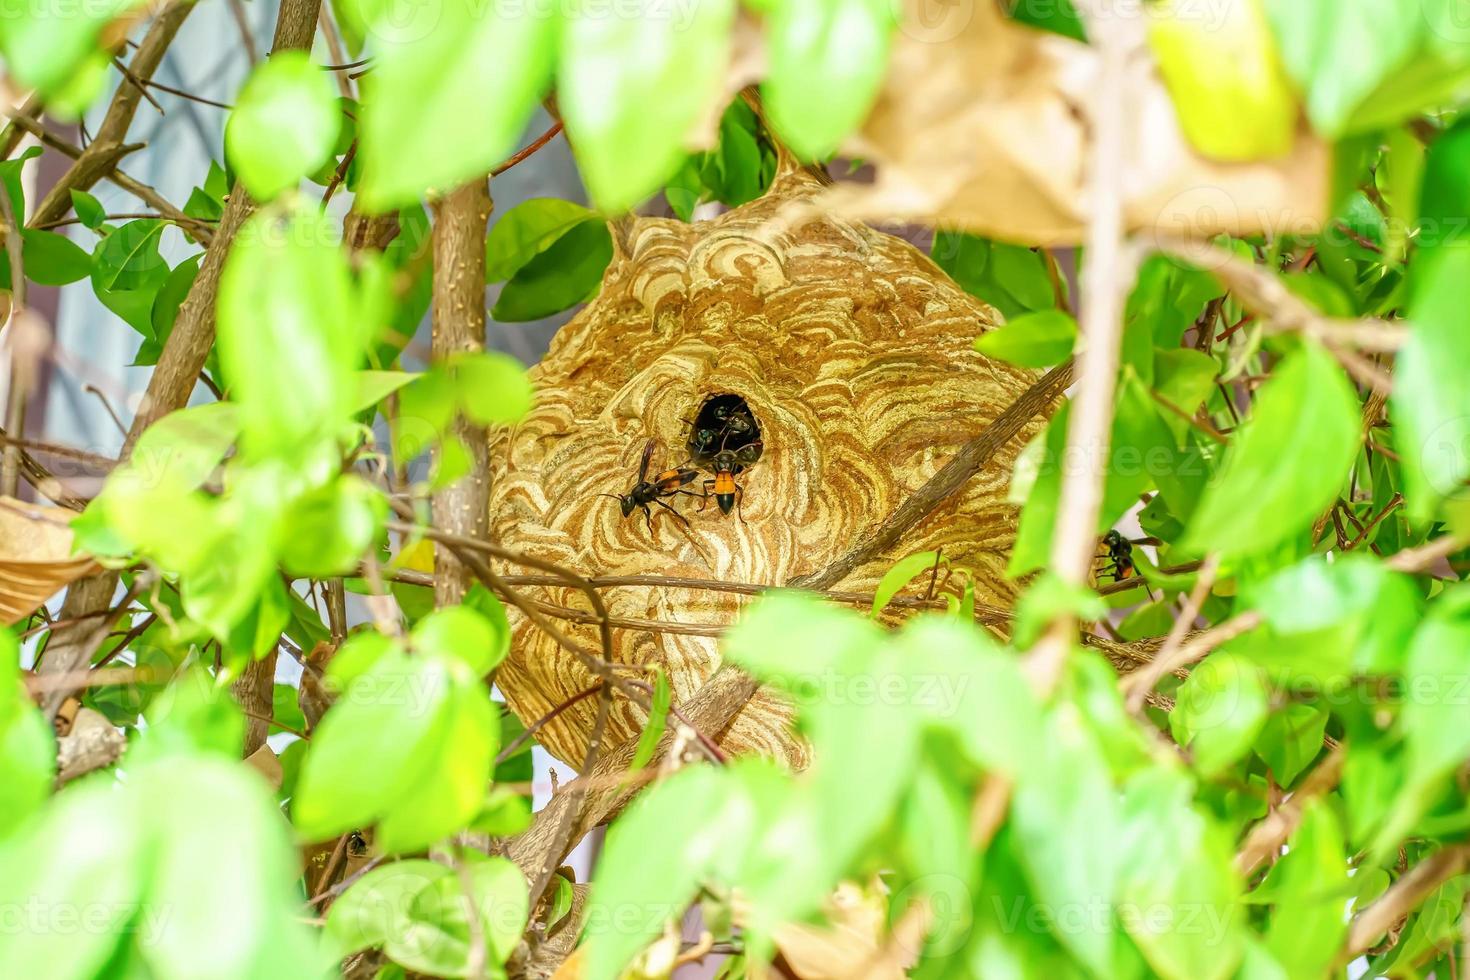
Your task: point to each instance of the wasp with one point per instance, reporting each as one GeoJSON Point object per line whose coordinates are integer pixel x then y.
{"type": "Point", "coordinates": [732, 425]}
{"type": "Point", "coordinates": [1120, 558]}
{"type": "Point", "coordinates": [668, 483]}
{"type": "Point", "coordinates": [724, 465]}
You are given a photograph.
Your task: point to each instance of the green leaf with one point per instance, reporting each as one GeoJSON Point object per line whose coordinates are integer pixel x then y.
{"type": "Point", "coordinates": [374, 386]}
{"type": "Point", "coordinates": [439, 939]}
{"type": "Point", "coordinates": [1318, 37]}
{"type": "Point", "coordinates": [825, 61]}
{"type": "Point", "coordinates": [460, 631]}
{"type": "Point", "coordinates": [1228, 88]}
{"type": "Point", "coordinates": [1430, 401]}
{"type": "Point", "coordinates": [568, 272]}
{"type": "Point", "coordinates": [653, 730]}
{"type": "Point", "coordinates": [325, 531]}
{"type": "Point", "coordinates": [431, 74]}
{"type": "Point", "coordinates": [493, 388]}
{"type": "Point", "coordinates": [1309, 887]}
{"type": "Point", "coordinates": [128, 257]}
{"type": "Point", "coordinates": [288, 340]}
{"type": "Point", "coordinates": [49, 259]}
{"type": "Point", "coordinates": [375, 910]}
{"type": "Point", "coordinates": [370, 746]}
{"type": "Point", "coordinates": [88, 209]}
{"type": "Point", "coordinates": [1177, 882]}
{"type": "Point", "coordinates": [48, 48]}
{"type": "Point", "coordinates": [1036, 340]}
{"type": "Point", "coordinates": [632, 87]}
{"type": "Point", "coordinates": [694, 815]}
{"type": "Point", "coordinates": [1333, 620]}
{"type": "Point", "coordinates": [904, 571]}
{"type": "Point", "coordinates": [1218, 712]}
{"type": "Point", "coordinates": [1433, 717]}
{"type": "Point", "coordinates": [1287, 463]}
{"type": "Point", "coordinates": [27, 747]}
{"type": "Point", "coordinates": [1291, 739]}
{"type": "Point", "coordinates": [284, 124]}
{"type": "Point", "coordinates": [527, 230]}
{"type": "Point", "coordinates": [1065, 815]}
{"type": "Point", "coordinates": [166, 303]}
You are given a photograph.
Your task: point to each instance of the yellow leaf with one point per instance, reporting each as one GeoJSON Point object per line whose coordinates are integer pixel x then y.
{"type": "Point", "coordinates": [1220, 64]}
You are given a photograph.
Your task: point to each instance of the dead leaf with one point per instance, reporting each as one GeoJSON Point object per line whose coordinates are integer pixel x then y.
{"type": "Point", "coordinates": [263, 760]}
{"type": "Point", "coordinates": [983, 124]}
{"type": "Point", "coordinates": [36, 558]}
{"type": "Point", "coordinates": [847, 946]}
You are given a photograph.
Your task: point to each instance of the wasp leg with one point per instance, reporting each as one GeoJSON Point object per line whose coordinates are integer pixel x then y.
{"type": "Point", "coordinates": [704, 497]}
{"type": "Point", "coordinates": [647, 516]}
{"type": "Point", "coordinates": [673, 511]}
{"type": "Point", "coordinates": [739, 498]}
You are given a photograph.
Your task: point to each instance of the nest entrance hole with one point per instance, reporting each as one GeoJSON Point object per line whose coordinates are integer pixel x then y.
{"type": "Point", "coordinates": [724, 422]}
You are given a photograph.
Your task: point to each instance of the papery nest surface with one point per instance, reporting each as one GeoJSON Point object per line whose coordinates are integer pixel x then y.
{"type": "Point", "coordinates": [855, 354]}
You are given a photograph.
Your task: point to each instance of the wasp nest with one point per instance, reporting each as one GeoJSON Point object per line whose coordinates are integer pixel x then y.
{"type": "Point", "coordinates": [853, 354]}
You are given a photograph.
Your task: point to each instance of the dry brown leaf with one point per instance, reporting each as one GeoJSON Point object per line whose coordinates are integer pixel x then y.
{"type": "Point", "coordinates": [983, 123]}
{"type": "Point", "coordinates": [849, 946]}
{"type": "Point", "coordinates": [36, 558]}
{"type": "Point", "coordinates": [263, 760]}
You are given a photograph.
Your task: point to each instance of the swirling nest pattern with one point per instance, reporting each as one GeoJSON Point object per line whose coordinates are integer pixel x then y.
{"type": "Point", "coordinates": [855, 353]}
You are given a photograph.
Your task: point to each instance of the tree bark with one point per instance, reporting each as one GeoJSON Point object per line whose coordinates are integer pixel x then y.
{"type": "Point", "coordinates": [459, 327]}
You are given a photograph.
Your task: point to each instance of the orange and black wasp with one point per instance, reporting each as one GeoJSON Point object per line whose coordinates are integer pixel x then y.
{"type": "Point", "coordinates": [668, 483]}
{"type": "Point", "coordinates": [1120, 558]}
{"type": "Point", "coordinates": [724, 465]}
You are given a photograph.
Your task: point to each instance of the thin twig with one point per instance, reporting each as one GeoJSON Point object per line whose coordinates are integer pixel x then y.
{"type": "Point", "coordinates": [1137, 684]}
{"type": "Point", "coordinates": [1403, 896]}
{"type": "Point", "coordinates": [15, 408]}
{"type": "Point", "coordinates": [578, 791]}
{"type": "Point", "coordinates": [971, 458]}
{"type": "Point", "coordinates": [1107, 276]}
{"type": "Point", "coordinates": [1267, 837]}
{"type": "Point", "coordinates": [531, 148]}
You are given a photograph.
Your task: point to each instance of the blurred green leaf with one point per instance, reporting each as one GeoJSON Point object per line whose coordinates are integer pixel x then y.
{"type": "Point", "coordinates": [494, 388]}
{"type": "Point", "coordinates": [288, 340]}
{"type": "Point", "coordinates": [325, 531]}
{"type": "Point", "coordinates": [27, 747]}
{"type": "Point", "coordinates": [51, 48]}
{"type": "Point", "coordinates": [284, 124]}
{"type": "Point", "coordinates": [653, 729]}
{"type": "Point", "coordinates": [631, 87]}
{"type": "Point", "coordinates": [1431, 403]}
{"type": "Point", "coordinates": [826, 59]}
{"type": "Point", "coordinates": [432, 71]}
{"type": "Point", "coordinates": [1231, 94]}
{"type": "Point", "coordinates": [1218, 712]}
{"type": "Point", "coordinates": [1309, 886]}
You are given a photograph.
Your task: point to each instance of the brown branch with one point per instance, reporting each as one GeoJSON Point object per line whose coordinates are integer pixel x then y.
{"type": "Point", "coordinates": [463, 507]}
{"type": "Point", "coordinates": [107, 146]}
{"type": "Point", "coordinates": [201, 230]}
{"type": "Point", "coordinates": [1260, 291]}
{"type": "Point", "coordinates": [1403, 896]}
{"type": "Point", "coordinates": [1140, 682]}
{"type": "Point", "coordinates": [15, 407]}
{"type": "Point", "coordinates": [531, 148]}
{"type": "Point", "coordinates": [607, 787]}
{"type": "Point", "coordinates": [577, 796]}
{"type": "Point", "coordinates": [971, 458]}
{"type": "Point", "coordinates": [1267, 837]}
